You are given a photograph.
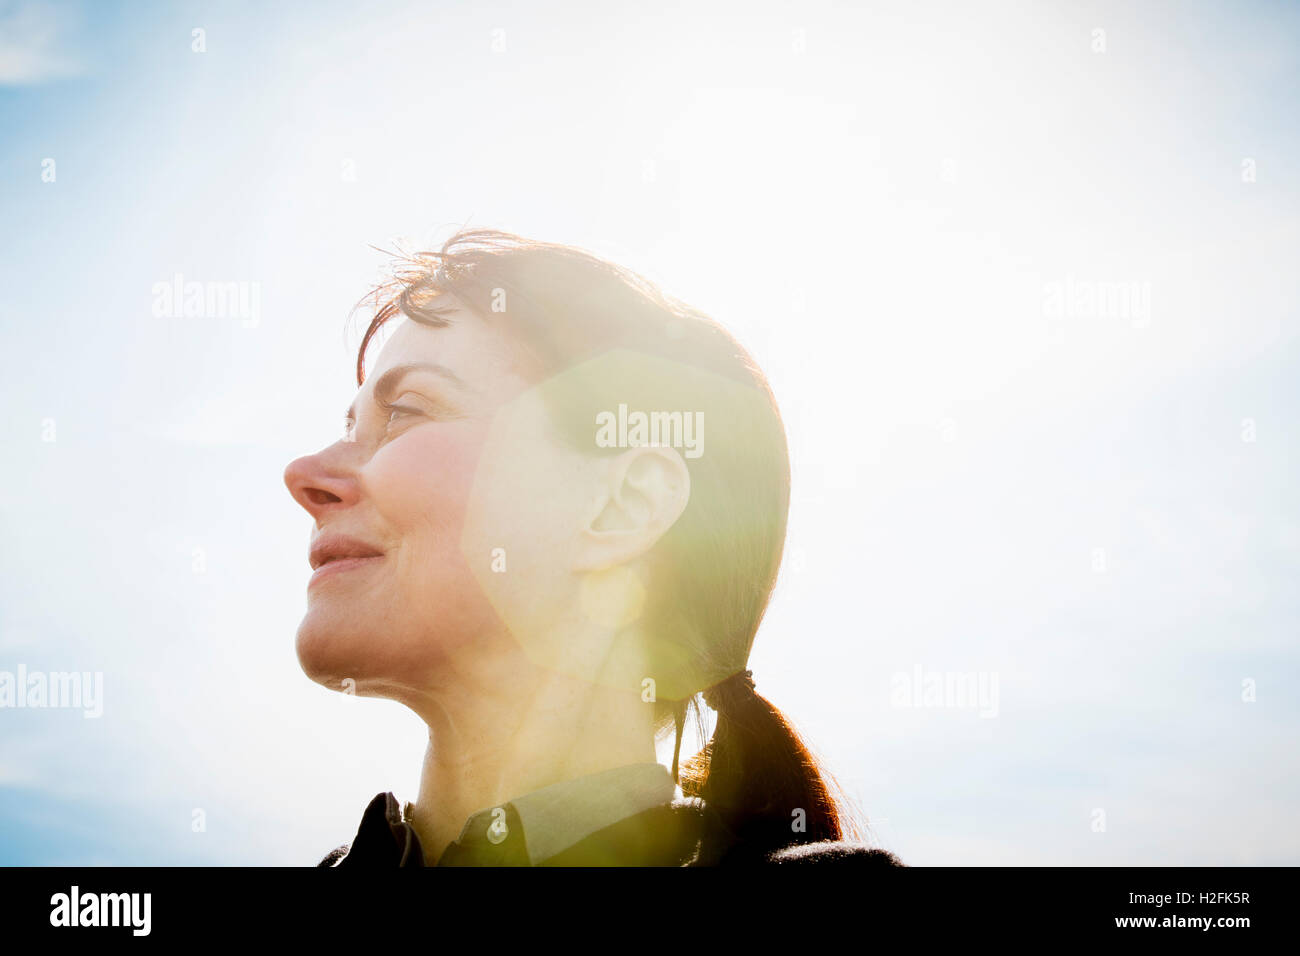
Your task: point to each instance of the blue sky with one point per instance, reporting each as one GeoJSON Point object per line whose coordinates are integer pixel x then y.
{"type": "Point", "coordinates": [881, 203]}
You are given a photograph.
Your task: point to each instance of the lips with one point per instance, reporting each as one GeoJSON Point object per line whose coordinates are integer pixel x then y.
{"type": "Point", "coordinates": [329, 548]}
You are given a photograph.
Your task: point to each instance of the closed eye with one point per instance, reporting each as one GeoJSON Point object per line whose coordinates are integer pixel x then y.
{"type": "Point", "coordinates": [421, 407]}
{"type": "Point", "coordinates": [397, 411]}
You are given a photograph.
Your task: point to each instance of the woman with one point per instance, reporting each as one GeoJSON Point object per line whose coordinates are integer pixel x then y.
{"type": "Point", "coordinates": [553, 523]}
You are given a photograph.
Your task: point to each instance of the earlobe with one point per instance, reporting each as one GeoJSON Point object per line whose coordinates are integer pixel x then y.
{"type": "Point", "coordinates": [645, 492]}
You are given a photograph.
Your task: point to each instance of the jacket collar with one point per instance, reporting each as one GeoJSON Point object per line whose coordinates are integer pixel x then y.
{"type": "Point", "coordinates": [527, 831]}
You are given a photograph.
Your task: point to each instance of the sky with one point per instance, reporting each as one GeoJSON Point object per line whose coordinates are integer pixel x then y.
{"type": "Point", "coordinates": [1023, 278]}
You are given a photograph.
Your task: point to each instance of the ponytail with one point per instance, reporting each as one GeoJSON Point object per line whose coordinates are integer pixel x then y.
{"type": "Point", "coordinates": [758, 776]}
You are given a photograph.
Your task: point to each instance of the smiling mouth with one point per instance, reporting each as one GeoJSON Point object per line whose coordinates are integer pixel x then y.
{"type": "Point", "coordinates": [333, 566]}
{"type": "Point", "coordinates": [334, 553]}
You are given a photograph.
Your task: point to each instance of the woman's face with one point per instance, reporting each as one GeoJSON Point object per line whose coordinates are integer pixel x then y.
{"type": "Point", "coordinates": [422, 500]}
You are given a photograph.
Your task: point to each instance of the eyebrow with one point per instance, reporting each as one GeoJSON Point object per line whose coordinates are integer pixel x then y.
{"type": "Point", "coordinates": [388, 383]}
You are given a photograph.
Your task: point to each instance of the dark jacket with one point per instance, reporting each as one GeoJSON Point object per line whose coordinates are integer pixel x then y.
{"type": "Point", "coordinates": [682, 833]}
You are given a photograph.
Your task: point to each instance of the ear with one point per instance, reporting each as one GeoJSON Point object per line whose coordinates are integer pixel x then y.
{"type": "Point", "coordinates": [644, 491]}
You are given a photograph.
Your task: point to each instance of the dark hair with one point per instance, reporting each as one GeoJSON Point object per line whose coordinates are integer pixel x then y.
{"type": "Point", "coordinates": [602, 335]}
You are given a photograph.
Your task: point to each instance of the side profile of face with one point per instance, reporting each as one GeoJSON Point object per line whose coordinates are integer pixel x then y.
{"type": "Point", "coordinates": [451, 524]}
{"type": "Point", "coordinates": [392, 592]}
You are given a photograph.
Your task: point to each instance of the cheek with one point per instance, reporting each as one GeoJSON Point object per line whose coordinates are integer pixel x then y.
{"type": "Point", "coordinates": [523, 515]}
{"type": "Point", "coordinates": [420, 482]}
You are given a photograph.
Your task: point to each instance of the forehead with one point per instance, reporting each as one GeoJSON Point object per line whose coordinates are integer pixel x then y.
{"type": "Point", "coordinates": [465, 338]}
{"type": "Point", "coordinates": [483, 356]}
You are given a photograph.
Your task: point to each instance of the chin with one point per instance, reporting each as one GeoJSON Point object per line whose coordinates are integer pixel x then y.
{"type": "Point", "coordinates": [331, 653]}
{"type": "Point", "coordinates": [349, 653]}
{"type": "Point", "coordinates": [376, 645]}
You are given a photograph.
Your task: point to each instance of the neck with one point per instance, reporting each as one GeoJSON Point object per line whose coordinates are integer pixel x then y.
{"type": "Point", "coordinates": [496, 740]}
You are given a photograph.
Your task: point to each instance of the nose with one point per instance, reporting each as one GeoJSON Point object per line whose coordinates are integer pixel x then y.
{"type": "Point", "coordinates": [321, 483]}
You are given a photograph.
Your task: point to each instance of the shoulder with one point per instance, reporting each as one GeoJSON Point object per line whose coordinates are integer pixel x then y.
{"type": "Point", "coordinates": [763, 842]}
{"type": "Point", "coordinates": [665, 835]}
{"type": "Point", "coordinates": [333, 856]}
{"type": "Point", "coordinates": [835, 851]}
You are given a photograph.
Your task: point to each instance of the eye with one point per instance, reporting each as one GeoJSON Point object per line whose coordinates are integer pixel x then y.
{"type": "Point", "coordinates": [396, 412]}
{"type": "Point", "coordinates": [416, 409]}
